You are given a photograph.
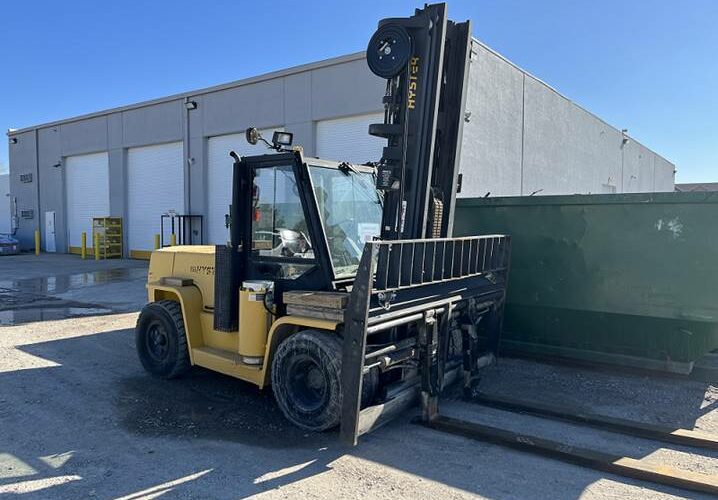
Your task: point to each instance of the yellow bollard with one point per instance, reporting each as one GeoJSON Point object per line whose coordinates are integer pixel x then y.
{"type": "Point", "coordinates": [97, 246]}
{"type": "Point", "coordinates": [83, 251]}
{"type": "Point", "coordinates": [157, 242]}
{"type": "Point", "coordinates": [173, 240]}
{"type": "Point", "coordinates": [37, 242]}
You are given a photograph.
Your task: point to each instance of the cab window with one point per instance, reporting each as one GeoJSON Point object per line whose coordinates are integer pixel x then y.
{"type": "Point", "coordinates": [279, 228]}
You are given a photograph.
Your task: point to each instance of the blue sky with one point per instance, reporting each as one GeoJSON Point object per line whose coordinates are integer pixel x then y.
{"type": "Point", "coordinates": [646, 65]}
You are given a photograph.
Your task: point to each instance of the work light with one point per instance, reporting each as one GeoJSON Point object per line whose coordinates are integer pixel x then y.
{"type": "Point", "coordinates": [280, 139]}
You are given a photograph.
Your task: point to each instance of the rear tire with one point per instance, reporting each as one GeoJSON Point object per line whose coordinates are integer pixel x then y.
{"type": "Point", "coordinates": [161, 339]}
{"type": "Point", "coordinates": [306, 379]}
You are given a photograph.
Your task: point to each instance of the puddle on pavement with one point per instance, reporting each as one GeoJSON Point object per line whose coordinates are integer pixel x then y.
{"type": "Point", "coordinates": [206, 405]}
{"type": "Point", "coordinates": [64, 282]}
{"type": "Point", "coordinates": [22, 316]}
{"type": "Point", "coordinates": [33, 299]}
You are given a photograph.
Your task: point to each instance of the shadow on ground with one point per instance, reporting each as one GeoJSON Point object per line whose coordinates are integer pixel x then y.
{"type": "Point", "coordinates": [96, 424]}
{"type": "Point", "coordinates": [206, 405]}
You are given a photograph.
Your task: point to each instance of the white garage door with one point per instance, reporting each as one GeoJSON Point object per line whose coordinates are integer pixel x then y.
{"type": "Point", "coordinates": [87, 184]}
{"type": "Point", "coordinates": [348, 139]}
{"type": "Point", "coordinates": [219, 177]}
{"type": "Point", "coordinates": [155, 184]}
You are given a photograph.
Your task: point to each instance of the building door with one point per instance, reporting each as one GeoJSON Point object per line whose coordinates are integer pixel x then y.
{"type": "Point", "coordinates": [219, 178]}
{"type": "Point", "coordinates": [348, 139]}
{"type": "Point", "coordinates": [155, 186]}
{"type": "Point", "coordinates": [50, 232]}
{"type": "Point", "coordinates": [87, 191]}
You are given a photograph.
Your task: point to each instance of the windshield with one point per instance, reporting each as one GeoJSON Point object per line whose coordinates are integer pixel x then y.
{"type": "Point", "coordinates": [350, 209]}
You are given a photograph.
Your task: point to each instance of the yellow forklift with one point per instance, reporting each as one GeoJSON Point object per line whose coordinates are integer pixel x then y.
{"type": "Point", "coordinates": [340, 285]}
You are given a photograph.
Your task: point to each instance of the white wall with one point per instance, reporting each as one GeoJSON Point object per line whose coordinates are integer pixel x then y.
{"type": "Point", "coordinates": [523, 137]}
{"type": "Point", "coordinates": [5, 203]}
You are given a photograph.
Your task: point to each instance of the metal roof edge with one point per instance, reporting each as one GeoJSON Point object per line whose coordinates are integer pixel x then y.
{"type": "Point", "coordinates": [660, 197]}
{"type": "Point", "coordinates": [206, 90]}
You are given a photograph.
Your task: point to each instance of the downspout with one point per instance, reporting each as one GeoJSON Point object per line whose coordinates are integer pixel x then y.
{"type": "Point", "coordinates": [37, 183]}
{"type": "Point", "coordinates": [14, 219]}
{"type": "Point", "coordinates": [187, 160]}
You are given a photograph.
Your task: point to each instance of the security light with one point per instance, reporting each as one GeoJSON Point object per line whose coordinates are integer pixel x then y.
{"type": "Point", "coordinates": [13, 140]}
{"type": "Point", "coordinates": [282, 139]}
{"type": "Point", "coordinates": [190, 105]}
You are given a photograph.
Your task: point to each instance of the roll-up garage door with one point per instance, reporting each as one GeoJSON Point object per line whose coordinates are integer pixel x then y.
{"type": "Point", "coordinates": [155, 185]}
{"type": "Point", "coordinates": [87, 184]}
{"type": "Point", "coordinates": [219, 177]}
{"type": "Point", "coordinates": [348, 139]}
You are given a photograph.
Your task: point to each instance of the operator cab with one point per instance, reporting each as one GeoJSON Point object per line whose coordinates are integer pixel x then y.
{"type": "Point", "coordinates": [308, 218]}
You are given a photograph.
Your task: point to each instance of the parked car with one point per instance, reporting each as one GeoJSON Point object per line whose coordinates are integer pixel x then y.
{"type": "Point", "coordinates": [9, 245]}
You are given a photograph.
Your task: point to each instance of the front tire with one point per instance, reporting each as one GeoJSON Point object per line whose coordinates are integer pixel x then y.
{"type": "Point", "coordinates": [306, 379]}
{"type": "Point", "coordinates": [161, 339]}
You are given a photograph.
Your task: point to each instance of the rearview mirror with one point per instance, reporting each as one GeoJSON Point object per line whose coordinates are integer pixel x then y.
{"type": "Point", "coordinates": [252, 135]}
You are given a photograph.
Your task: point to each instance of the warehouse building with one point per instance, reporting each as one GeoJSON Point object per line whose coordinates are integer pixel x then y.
{"type": "Point", "coordinates": [140, 161]}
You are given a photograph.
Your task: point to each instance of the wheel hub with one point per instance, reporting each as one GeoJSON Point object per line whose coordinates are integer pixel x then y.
{"type": "Point", "coordinates": [315, 379]}
{"type": "Point", "coordinates": [157, 342]}
{"type": "Point", "coordinates": [308, 384]}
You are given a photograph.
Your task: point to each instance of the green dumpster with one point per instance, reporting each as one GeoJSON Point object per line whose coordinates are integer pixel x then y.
{"type": "Point", "coordinates": [630, 279]}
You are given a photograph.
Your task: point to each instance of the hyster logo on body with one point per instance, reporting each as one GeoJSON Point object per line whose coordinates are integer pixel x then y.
{"type": "Point", "coordinates": [208, 270]}
{"type": "Point", "coordinates": [413, 81]}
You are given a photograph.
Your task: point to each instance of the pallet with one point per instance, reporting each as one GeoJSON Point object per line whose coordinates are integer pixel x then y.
{"type": "Point", "coordinates": [315, 312]}
{"type": "Point", "coordinates": [324, 300]}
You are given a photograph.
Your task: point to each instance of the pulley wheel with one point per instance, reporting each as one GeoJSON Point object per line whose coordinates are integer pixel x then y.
{"type": "Point", "coordinates": [388, 51]}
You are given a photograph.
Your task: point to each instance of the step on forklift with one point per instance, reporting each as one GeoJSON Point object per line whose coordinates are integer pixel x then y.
{"type": "Point", "coordinates": [341, 285]}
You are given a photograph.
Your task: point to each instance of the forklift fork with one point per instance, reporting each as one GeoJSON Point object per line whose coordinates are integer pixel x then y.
{"type": "Point", "coordinates": [426, 283]}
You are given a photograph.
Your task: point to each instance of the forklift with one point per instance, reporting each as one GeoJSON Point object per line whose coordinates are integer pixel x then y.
{"type": "Point", "coordinates": [341, 285]}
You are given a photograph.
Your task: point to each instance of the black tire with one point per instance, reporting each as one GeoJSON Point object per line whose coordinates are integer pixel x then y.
{"type": "Point", "coordinates": [306, 379]}
{"type": "Point", "coordinates": [161, 340]}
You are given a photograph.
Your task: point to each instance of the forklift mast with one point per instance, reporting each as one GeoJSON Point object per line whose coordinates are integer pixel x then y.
{"type": "Point", "coordinates": [425, 61]}
{"type": "Point", "coordinates": [417, 285]}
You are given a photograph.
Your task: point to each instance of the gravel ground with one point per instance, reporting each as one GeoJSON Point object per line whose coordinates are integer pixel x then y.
{"type": "Point", "coordinates": [80, 418]}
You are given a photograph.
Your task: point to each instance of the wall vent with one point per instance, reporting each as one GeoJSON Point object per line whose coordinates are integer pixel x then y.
{"type": "Point", "coordinates": [609, 189]}
{"type": "Point", "coordinates": [27, 214]}
{"type": "Point", "coordinates": [26, 178]}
